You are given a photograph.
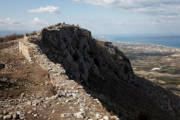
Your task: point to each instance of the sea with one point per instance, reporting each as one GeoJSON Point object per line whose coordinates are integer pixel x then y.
{"type": "Point", "coordinates": [170, 41]}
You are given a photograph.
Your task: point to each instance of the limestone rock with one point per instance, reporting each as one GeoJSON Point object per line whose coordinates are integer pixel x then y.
{"type": "Point", "coordinates": [20, 115]}
{"type": "Point", "coordinates": [79, 115]}
{"type": "Point", "coordinates": [98, 116]}
{"type": "Point", "coordinates": [66, 115]}
{"type": "Point", "coordinates": [15, 116]}
{"type": "Point", "coordinates": [7, 117]}
{"type": "Point", "coordinates": [105, 118]}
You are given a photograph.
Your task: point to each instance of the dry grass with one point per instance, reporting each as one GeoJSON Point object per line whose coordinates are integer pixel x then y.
{"type": "Point", "coordinates": [18, 76]}
{"type": "Point", "coordinates": [10, 37]}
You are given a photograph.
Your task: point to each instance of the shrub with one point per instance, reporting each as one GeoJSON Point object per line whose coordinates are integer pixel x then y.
{"type": "Point", "coordinates": [10, 37]}
{"type": "Point", "coordinates": [1, 39]}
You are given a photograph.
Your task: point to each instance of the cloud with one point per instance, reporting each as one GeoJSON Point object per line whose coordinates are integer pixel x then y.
{"type": "Point", "coordinates": [76, 0]}
{"type": "Point", "coordinates": [48, 9]}
{"type": "Point", "coordinates": [152, 7]}
{"type": "Point", "coordinates": [10, 24]}
{"type": "Point", "coordinates": [15, 24]}
{"type": "Point", "coordinates": [36, 21]}
{"type": "Point", "coordinates": [8, 21]}
{"type": "Point", "coordinates": [130, 3]}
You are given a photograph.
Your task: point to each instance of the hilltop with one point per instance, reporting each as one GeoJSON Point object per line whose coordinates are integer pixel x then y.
{"type": "Point", "coordinates": [67, 74]}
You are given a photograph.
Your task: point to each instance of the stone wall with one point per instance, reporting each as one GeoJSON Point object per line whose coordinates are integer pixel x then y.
{"type": "Point", "coordinates": [24, 49]}
{"type": "Point", "coordinates": [33, 53]}
{"type": "Point", "coordinates": [68, 89]}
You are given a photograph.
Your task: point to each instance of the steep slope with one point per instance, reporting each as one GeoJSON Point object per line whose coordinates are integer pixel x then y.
{"type": "Point", "coordinates": [107, 73]}
{"type": "Point", "coordinates": [94, 64]}
{"type": "Point", "coordinates": [70, 53]}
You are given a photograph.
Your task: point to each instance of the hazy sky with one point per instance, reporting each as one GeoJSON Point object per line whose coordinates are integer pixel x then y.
{"type": "Point", "coordinates": [99, 16]}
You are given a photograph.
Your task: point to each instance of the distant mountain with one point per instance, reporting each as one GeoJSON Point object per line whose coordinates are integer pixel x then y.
{"type": "Point", "coordinates": [4, 33]}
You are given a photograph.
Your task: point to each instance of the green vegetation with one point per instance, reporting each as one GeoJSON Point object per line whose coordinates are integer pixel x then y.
{"type": "Point", "coordinates": [170, 80]}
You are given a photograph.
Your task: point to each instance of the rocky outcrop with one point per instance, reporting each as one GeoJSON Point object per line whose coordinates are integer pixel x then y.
{"type": "Point", "coordinates": [71, 53]}
{"type": "Point", "coordinates": [95, 64]}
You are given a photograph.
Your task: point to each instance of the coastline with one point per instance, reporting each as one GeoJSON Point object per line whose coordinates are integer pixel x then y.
{"type": "Point", "coordinates": [169, 41]}
{"type": "Point", "coordinates": [145, 47]}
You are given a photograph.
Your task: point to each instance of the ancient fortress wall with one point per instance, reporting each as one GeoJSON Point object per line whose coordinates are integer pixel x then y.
{"type": "Point", "coordinates": [33, 54]}
{"type": "Point", "coordinates": [24, 47]}
{"type": "Point", "coordinates": [71, 90]}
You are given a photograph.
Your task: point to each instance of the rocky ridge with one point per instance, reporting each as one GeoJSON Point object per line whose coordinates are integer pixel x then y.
{"type": "Point", "coordinates": [93, 80]}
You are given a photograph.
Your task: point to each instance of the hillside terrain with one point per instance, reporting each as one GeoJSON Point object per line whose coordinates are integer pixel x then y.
{"type": "Point", "coordinates": [158, 64]}
{"type": "Point", "coordinates": [63, 73]}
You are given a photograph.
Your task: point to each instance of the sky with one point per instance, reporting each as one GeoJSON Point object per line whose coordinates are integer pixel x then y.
{"type": "Point", "coordinates": [98, 16]}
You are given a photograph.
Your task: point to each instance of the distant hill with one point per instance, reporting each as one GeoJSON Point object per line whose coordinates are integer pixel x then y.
{"type": "Point", "coordinates": [4, 33]}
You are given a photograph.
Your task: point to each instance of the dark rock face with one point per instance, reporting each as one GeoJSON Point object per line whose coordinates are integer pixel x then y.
{"type": "Point", "coordinates": [85, 60]}
{"type": "Point", "coordinates": [108, 74]}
